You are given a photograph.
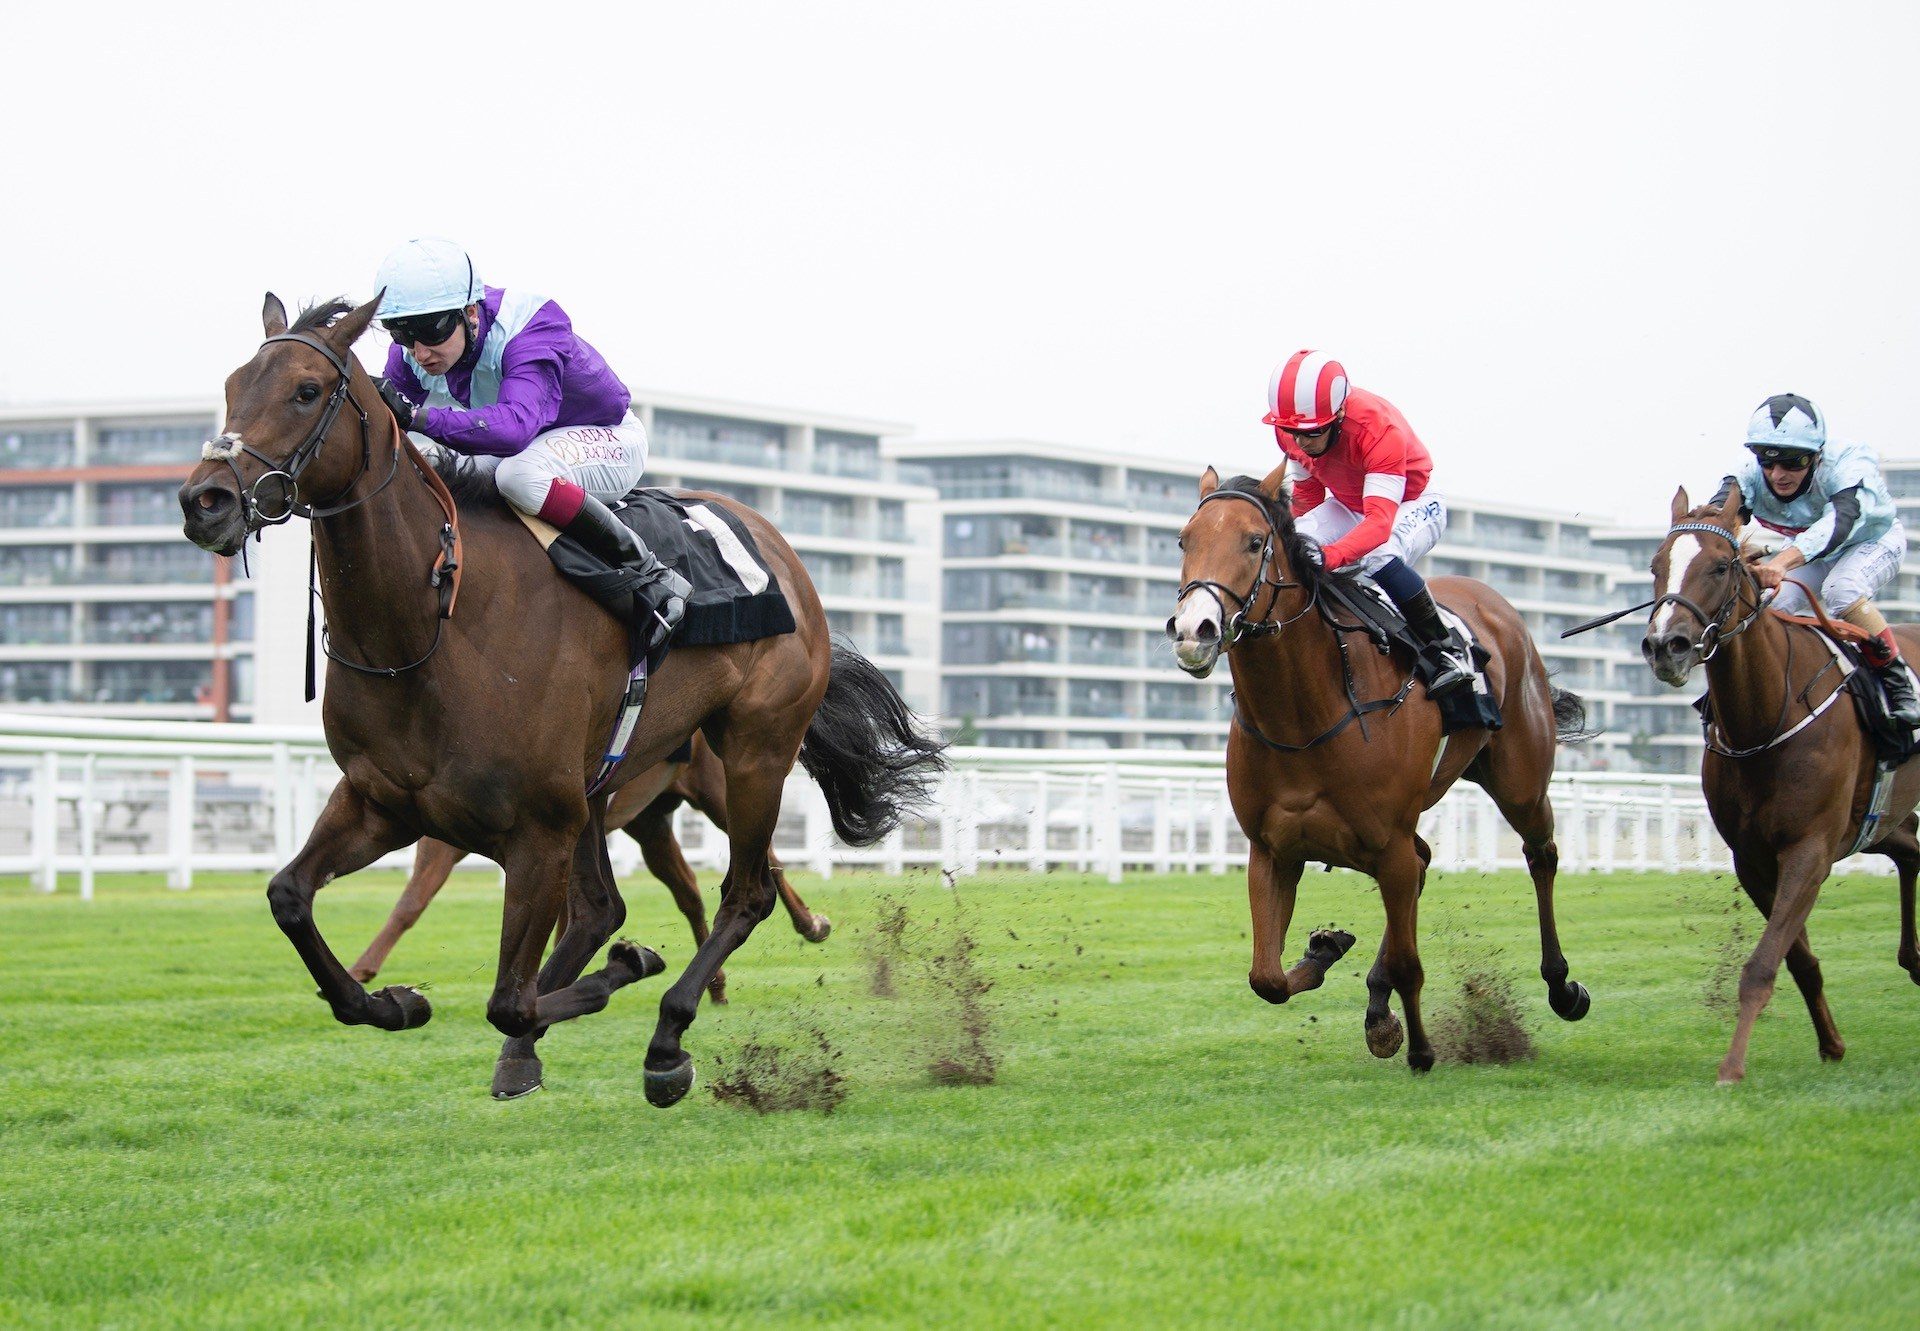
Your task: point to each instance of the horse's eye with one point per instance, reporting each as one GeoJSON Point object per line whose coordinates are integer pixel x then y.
{"type": "Point", "coordinates": [1253, 545]}
{"type": "Point", "coordinates": [306, 393]}
{"type": "Point", "coordinates": [1720, 569]}
{"type": "Point", "coordinates": [1181, 543]}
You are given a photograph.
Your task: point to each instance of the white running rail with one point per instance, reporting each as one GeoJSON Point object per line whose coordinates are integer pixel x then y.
{"type": "Point", "coordinates": [82, 797]}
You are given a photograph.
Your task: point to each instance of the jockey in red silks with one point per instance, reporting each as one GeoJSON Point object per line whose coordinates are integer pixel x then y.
{"type": "Point", "coordinates": [1360, 490]}
{"type": "Point", "coordinates": [501, 375]}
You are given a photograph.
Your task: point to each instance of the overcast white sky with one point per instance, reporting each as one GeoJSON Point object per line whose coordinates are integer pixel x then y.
{"type": "Point", "coordinates": [1575, 250]}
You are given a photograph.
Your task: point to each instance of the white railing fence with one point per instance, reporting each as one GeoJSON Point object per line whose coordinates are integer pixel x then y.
{"type": "Point", "coordinates": [84, 797]}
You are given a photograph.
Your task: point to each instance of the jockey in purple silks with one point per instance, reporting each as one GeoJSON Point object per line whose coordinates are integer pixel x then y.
{"type": "Point", "coordinates": [501, 375]}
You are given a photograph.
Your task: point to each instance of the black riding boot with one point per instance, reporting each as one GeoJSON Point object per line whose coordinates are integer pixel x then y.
{"type": "Point", "coordinates": [662, 593]}
{"type": "Point", "coordinates": [1891, 671]}
{"type": "Point", "coordinates": [1449, 671]}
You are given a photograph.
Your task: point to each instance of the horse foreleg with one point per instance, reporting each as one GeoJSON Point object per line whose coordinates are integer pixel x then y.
{"type": "Point", "coordinates": [1272, 889]}
{"type": "Point", "coordinates": [433, 863]}
{"type": "Point", "coordinates": [1801, 870]}
{"type": "Point", "coordinates": [746, 898]}
{"type": "Point", "coordinates": [665, 861]}
{"type": "Point", "coordinates": [1398, 967]}
{"type": "Point", "coordinates": [349, 835]}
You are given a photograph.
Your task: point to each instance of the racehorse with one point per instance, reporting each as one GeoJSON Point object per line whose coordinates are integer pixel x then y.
{"type": "Point", "coordinates": [644, 808]}
{"type": "Point", "coordinates": [1788, 770]}
{"type": "Point", "coordinates": [1314, 773]}
{"type": "Point", "coordinates": [471, 690]}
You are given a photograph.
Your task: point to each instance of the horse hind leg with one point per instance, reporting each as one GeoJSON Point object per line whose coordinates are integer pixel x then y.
{"type": "Point", "coordinates": [1531, 815]}
{"type": "Point", "coordinates": [665, 861]}
{"type": "Point", "coordinates": [707, 792]}
{"type": "Point", "coordinates": [433, 863]}
{"type": "Point", "coordinates": [1903, 848]}
{"type": "Point", "coordinates": [1805, 968]}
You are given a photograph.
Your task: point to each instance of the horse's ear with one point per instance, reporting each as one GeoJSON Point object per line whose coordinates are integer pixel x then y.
{"type": "Point", "coordinates": [1730, 510]}
{"type": "Point", "coordinates": [1209, 482]}
{"type": "Point", "coordinates": [1274, 486]}
{"type": "Point", "coordinates": [273, 316]}
{"type": "Point", "coordinates": [346, 330]}
{"type": "Point", "coordinates": [1680, 505]}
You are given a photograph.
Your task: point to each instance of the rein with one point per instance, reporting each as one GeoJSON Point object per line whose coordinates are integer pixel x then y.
{"type": "Point", "coordinates": [1241, 626]}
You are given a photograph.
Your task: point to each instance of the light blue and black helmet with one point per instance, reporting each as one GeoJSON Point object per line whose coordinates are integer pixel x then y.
{"type": "Point", "coordinates": [427, 276]}
{"type": "Point", "coordinates": [1786, 424]}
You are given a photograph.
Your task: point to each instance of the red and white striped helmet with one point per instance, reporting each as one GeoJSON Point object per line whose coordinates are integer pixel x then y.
{"type": "Point", "coordinates": [1308, 392]}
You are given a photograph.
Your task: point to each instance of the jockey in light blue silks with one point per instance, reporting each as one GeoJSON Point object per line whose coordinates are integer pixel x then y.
{"type": "Point", "coordinates": [1844, 538]}
{"type": "Point", "coordinates": [502, 375]}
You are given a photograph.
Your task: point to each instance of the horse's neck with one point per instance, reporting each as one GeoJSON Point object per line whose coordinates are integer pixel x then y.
{"type": "Point", "coordinates": [1747, 679]}
{"type": "Point", "coordinates": [1292, 685]}
{"type": "Point", "coordinates": [375, 559]}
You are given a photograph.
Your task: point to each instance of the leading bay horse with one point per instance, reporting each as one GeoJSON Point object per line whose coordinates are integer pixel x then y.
{"type": "Point", "coordinates": [1788, 769]}
{"type": "Point", "coordinates": [472, 704]}
{"type": "Point", "coordinates": [1335, 753]}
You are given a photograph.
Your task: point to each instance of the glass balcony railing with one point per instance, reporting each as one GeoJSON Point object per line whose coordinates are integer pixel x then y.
{"type": "Point", "coordinates": [862, 466]}
{"type": "Point", "coordinates": [737, 453]}
{"type": "Point", "coordinates": [1110, 552]}
{"type": "Point", "coordinates": [1101, 656]}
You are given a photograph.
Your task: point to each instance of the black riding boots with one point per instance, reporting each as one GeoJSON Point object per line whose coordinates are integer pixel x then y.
{"type": "Point", "coordinates": [1883, 655]}
{"type": "Point", "coordinates": [654, 598]}
{"type": "Point", "coordinates": [1447, 670]}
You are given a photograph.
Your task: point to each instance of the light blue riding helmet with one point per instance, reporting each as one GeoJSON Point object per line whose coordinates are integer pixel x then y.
{"type": "Point", "coordinates": [1786, 423]}
{"type": "Point", "coordinates": [427, 276]}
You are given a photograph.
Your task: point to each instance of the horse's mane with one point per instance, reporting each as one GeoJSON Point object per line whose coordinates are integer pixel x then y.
{"type": "Point", "coordinates": [319, 316]}
{"type": "Point", "coordinates": [1302, 552]}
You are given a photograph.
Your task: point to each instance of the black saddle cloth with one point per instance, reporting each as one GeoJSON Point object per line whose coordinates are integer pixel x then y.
{"type": "Point", "coordinates": [735, 596]}
{"type": "Point", "coordinates": [1364, 600]}
{"type": "Point", "coordinates": [1892, 741]}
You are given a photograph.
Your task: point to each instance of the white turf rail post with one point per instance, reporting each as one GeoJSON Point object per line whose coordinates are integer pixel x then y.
{"type": "Point", "coordinates": [186, 798]}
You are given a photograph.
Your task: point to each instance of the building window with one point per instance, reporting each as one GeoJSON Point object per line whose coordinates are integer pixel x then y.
{"type": "Point", "coordinates": [839, 454]}
{"type": "Point", "coordinates": [890, 635]}
{"type": "Point", "coordinates": [36, 506]}
{"type": "Point", "coordinates": [30, 625]}
{"type": "Point", "coordinates": [240, 626]}
{"type": "Point", "coordinates": [152, 681]}
{"type": "Point", "coordinates": [36, 681]}
{"type": "Point", "coordinates": [150, 621]}
{"type": "Point", "coordinates": [685, 434]}
{"type": "Point", "coordinates": [174, 561]}
{"type": "Point", "coordinates": [892, 515]}
{"type": "Point", "coordinates": [137, 505]}
{"type": "Point", "coordinates": [808, 514]}
{"type": "Point", "coordinates": [1096, 698]}
{"type": "Point", "coordinates": [35, 447]}
{"type": "Point", "coordinates": [148, 444]}
{"type": "Point", "coordinates": [35, 565]}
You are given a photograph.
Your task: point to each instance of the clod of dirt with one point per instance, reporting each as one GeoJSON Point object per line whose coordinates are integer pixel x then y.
{"type": "Point", "coordinates": [1482, 1024]}
{"type": "Point", "coordinates": [769, 1078]}
{"type": "Point", "coordinates": [886, 948]}
{"type": "Point", "coordinates": [961, 1044]}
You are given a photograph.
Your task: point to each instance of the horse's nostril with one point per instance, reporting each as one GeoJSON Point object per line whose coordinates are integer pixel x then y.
{"type": "Point", "coordinates": [1207, 631]}
{"type": "Point", "coordinates": [209, 500]}
{"type": "Point", "coordinates": [1677, 644]}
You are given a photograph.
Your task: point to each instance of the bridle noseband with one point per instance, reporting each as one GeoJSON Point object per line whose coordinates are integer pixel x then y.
{"type": "Point", "coordinates": [1240, 625]}
{"type": "Point", "coordinates": [1714, 630]}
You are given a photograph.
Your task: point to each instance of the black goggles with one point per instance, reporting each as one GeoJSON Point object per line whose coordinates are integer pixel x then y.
{"type": "Point", "coordinates": [432, 329]}
{"type": "Point", "coordinates": [1786, 459]}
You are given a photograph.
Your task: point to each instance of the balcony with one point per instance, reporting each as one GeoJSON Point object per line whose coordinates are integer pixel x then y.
{"type": "Point", "coordinates": [673, 445]}
{"type": "Point", "coordinates": [860, 466]}
{"type": "Point", "coordinates": [1109, 552]}
{"type": "Point", "coordinates": [22, 451]}
{"type": "Point", "coordinates": [1182, 711]}
{"type": "Point", "coordinates": [1102, 656]}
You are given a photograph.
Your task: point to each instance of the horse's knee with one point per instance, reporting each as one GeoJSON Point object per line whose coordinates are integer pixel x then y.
{"type": "Point", "coordinates": [1757, 977]}
{"type": "Point", "coordinates": [677, 1014]}
{"type": "Point", "coordinates": [511, 1013]}
{"type": "Point", "coordinates": [292, 907]}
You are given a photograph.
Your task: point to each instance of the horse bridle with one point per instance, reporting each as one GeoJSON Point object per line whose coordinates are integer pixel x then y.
{"type": "Point", "coordinates": [1714, 630]}
{"type": "Point", "coordinates": [289, 473]}
{"type": "Point", "coordinates": [1239, 625]}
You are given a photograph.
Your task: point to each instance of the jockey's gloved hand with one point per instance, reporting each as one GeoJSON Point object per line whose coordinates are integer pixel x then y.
{"type": "Point", "coordinates": [396, 403]}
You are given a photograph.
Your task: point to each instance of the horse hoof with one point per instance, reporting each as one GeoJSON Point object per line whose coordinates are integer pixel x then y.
{"type": "Point", "coordinates": [1571, 1003]}
{"type": "Point", "coordinates": [1384, 1036]}
{"type": "Point", "coordinates": [717, 994]}
{"type": "Point", "coordinates": [639, 962]}
{"type": "Point", "coordinates": [1833, 1055]}
{"type": "Point", "coordinates": [1419, 1060]}
{"type": "Point", "coordinates": [669, 1086]}
{"type": "Point", "coordinates": [1326, 946]}
{"type": "Point", "coordinates": [515, 1077]}
{"type": "Point", "coordinates": [415, 1010]}
{"type": "Point", "coordinates": [818, 927]}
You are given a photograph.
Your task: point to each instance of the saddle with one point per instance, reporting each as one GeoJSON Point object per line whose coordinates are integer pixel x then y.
{"type": "Point", "coordinates": [1365, 601]}
{"type": "Point", "coordinates": [735, 596]}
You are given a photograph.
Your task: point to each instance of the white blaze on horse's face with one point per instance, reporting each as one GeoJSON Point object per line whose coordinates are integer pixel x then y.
{"type": "Point", "coordinates": [1671, 666]}
{"type": "Point", "coordinates": [1198, 623]}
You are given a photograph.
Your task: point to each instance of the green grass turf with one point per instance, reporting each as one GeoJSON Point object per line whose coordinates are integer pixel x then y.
{"type": "Point", "coordinates": [188, 1139]}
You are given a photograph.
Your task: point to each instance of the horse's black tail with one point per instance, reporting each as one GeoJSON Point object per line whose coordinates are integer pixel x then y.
{"type": "Point", "coordinates": [867, 751]}
{"type": "Point", "coordinates": [1570, 717]}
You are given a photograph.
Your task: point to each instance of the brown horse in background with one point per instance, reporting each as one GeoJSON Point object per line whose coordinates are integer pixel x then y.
{"type": "Point", "coordinates": [483, 728]}
{"type": "Point", "coordinates": [644, 808]}
{"type": "Point", "coordinates": [1316, 774]}
{"type": "Point", "coordinates": [1788, 770]}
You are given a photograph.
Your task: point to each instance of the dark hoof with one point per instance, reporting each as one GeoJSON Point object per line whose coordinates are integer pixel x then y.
{"type": "Point", "coordinates": [1384, 1036]}
{"type": "Point", "coordinates": [668, 1087]}
{"type": "Point", "coordinates": [1420, 1060]}
{"type": "Point", "coordinates": [1833, 1054]}
{"type": "Point", "coordinates": [415, 1010]}
{"type": "Point", "coordinates": [628, 962]}
{"type": "Point", "coordinates": [717, 991]}
{"type": "Point", "coordinates": [1571, 1003]}
{"type": "Point", "coordinates": [515, 1077]}
{"type": "Point", "coordinates": [1326, 946]}
{"type": "Point", "coordinates": [817, 928]}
